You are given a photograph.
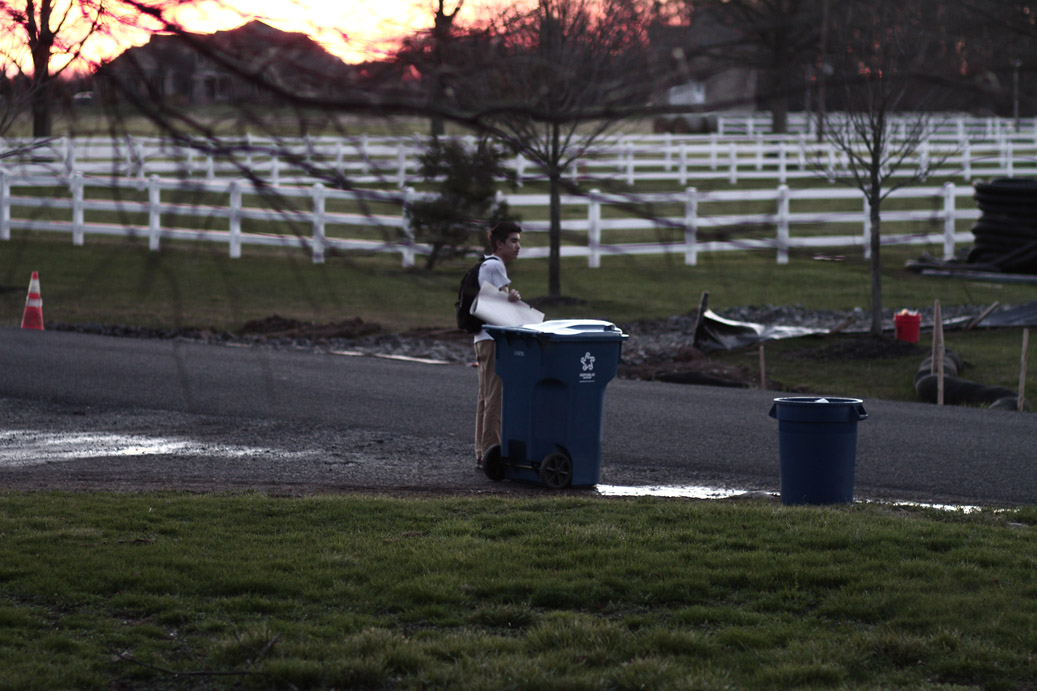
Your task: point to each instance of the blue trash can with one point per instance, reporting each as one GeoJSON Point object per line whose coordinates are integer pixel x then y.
{"type": "Point", "coordinates": [818, 445]}
{"type": "Point", "coordinates": [554, 376]}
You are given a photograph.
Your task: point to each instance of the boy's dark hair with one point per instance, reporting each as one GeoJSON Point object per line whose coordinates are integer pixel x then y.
{"type": "Point", "coordinates": [500, 232]}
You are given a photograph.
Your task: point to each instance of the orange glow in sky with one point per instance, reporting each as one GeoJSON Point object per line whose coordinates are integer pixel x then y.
{"type": "Point", "coordinates": [354, 30]}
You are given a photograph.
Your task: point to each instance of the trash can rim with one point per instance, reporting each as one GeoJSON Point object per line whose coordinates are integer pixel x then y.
{"type": "Point", "coordinates": [563, 328]}
{"type": "Point", "coordinates": [815, 400]}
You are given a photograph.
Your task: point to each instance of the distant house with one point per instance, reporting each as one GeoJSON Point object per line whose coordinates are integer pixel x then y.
{"type": "Point", "coordinates": [254, 62]}
{"type": "Point", "coordinates": [699, 75]}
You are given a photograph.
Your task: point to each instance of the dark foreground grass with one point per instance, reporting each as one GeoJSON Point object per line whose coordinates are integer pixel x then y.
{"type": "Point", "coordinates": [248, 591]}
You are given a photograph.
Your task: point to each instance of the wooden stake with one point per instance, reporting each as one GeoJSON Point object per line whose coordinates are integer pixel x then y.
{"type": "Point", "coordinates": [1022, 368]}
{"type": "Point", "coordinates": [703, 302]}
{"type": "Point", "coordinates": [982, 315]}
{"type": "Point", "coordinates": [938, 350]}
{"type": "Point", "coordinates": [763, 369]}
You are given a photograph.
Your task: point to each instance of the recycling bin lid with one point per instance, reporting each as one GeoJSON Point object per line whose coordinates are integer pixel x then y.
{"type": "Point", "coordinates": [566, 330]}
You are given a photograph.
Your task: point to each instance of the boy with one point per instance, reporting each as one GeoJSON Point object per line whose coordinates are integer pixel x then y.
{"type": "Point", "coordinates": [505, 243]}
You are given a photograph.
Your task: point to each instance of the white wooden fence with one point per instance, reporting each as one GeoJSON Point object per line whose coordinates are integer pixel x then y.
{"type": "Point", "coordinates": [393, 161]}
{"type": "Point", "coordinates": [938, 208]}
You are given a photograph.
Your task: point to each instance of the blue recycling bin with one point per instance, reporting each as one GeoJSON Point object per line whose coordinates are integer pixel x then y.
{"type": "Point", "coordinates": [554, 376]}
{"type": "Point", "coordinates": [817, 439]}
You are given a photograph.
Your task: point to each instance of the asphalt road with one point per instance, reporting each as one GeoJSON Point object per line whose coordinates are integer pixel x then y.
{"type": "Point", "coordinates": [92, 412]}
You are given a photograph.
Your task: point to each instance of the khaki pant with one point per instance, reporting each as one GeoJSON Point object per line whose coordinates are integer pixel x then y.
{"type": "Point", "coordinates": [488, 411]}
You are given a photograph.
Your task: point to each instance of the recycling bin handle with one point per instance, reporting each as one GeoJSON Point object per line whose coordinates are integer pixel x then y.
{"type": "Point", "coordinates": [774, 411]}
{"type": "Point", "coordinates": [861, 413]}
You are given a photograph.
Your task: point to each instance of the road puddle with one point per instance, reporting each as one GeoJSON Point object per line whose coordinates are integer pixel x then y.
{"type": "Point", "coordinates": [32, 447]}
{"type": "Point", "coordinates": [681, 491]}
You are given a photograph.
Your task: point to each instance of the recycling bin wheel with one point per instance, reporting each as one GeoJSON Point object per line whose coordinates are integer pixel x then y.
{"type": "Point", "coordinates": [556, 471]}
{"type": "Point", "coordinates": [493, 464]}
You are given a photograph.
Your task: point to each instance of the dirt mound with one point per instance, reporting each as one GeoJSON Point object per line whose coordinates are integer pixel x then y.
{"type": "Point", "coordinates": [687, 366]}
{"type": "Point", "coordinates": [276, 326]}
{"type": "Point", "coordinates": [860, 348]}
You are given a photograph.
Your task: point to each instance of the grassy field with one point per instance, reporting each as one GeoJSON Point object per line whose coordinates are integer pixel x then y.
{"type": "Point", "coordinates": [169, 591]}
{"type": "Point", "coordinates": [195, 284]}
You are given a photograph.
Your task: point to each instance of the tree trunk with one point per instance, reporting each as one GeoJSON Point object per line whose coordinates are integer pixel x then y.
{"type": "Point", "coordinates": [41, 116]}
{"type": "Point", "coordinates": [554, 263]}
{"type": "Point", "coordinates": [876, 267]}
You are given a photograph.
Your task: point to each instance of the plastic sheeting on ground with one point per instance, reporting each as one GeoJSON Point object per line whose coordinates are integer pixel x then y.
{"type": "Point", "coordinates": [1020, 315]}
{"type": "Point", "coordinates": [713, 333]}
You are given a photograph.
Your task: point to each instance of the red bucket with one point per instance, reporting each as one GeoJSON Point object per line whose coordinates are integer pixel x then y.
{"type": "Point", "coordinates": [907, 326]}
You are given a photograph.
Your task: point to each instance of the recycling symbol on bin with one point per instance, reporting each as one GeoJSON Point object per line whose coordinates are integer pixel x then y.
{"type": "Point", "coordinates": [588, 362]}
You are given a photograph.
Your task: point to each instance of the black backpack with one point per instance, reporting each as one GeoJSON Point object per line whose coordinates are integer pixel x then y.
{"type": "Point", "coordinates": [466, 294]}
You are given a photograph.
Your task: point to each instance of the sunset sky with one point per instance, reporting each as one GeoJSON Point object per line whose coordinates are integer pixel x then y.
{"type": "Point", "coordinates": [354, 30]}
{"type": "Point", "coordinates": [371, 26]}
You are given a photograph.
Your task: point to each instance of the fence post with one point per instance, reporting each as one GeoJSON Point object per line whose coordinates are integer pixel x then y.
{"type": "Point", "coordinates": [948, 220]}
{"type": "Point", "coordinates": [154, 214]}
{"type": "Point", "coordinates": [248, 151]}
{"type": "Point", "coordinates": [667, 146]}
{"type": "Point", "coordinates": [630, 163]}
{"type": "Point", "coordinates": [1009, 158]}
{"type": "Point", "coordinates": [713, 153]}
{"type": "Point", "coordinates": [5, 205]}
{"type": "Point", "coordinates": [782, 162]}
{"type": "Point", "coordinates": [691, 226]}
{"type": "Point", "coordinates": [136, 149]}
{"type": "Point", "coordinates": [318, 223]}
{"type": "Point", "coordinates": [76, 183]}
{"type": "Point", "coordinates": [235, 219]}
{"type": "Point", "coordinates": [408, 231]}
{"type": "Point", "coordinates": [684, 163]}
{"type": "Point", "coordinates": [70, 155]}
{"type": "Point", "coordinates": [923, 159]}
{"type": "Point", "coordinates": [966, 161]}
{"type": "Point", "coordinates": [210, 167]}
{"type": "Point", "coordinates": [759, 152]}
{"type": "Point", "coordinates": [783, 224]}
{"type": "Point", "coordinates": [594, 230]}
{"type": "Point", "coordinates": [867, 228]}
{"type": "Point", "coordinates": [401, 166]}
{"type": "Point", "coordinates": [732, 154]}
{"type": "Point", "coordinates": [275, 170]}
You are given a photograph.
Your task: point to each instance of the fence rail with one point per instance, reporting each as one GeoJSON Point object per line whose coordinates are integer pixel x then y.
{"type": "Point", "coordinates": [714, 221]}
{"type": "Point", "coordinates": [965, 149]}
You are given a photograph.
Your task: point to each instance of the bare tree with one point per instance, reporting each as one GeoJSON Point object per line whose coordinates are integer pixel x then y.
{"type": "Point", "coordinates": [51, 36]}
{"type": "Point", "coordinates": [777, 37]}
{"type": "Point", "coordinates": [551, 81]}
{"type": "Point", "coordinates": [892, 91]}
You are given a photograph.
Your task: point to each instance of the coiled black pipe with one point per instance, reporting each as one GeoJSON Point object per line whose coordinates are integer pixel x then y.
{"type": "Point", "coordinates": [957, 391]}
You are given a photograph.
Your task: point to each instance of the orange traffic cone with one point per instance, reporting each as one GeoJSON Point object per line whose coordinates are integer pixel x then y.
{"type": "Point", "coordinates": [32, 318]}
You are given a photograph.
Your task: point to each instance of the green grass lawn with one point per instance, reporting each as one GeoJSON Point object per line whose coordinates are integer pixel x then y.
{"type": "Point", "coordinates": [195, 591]}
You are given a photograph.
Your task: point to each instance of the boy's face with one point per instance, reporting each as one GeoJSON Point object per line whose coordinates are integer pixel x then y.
{"type": "Point", "coordinates": [509, 249]}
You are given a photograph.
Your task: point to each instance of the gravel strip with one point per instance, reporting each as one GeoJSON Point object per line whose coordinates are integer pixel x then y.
{"type": "Point", "coordinates": [648, 340]}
